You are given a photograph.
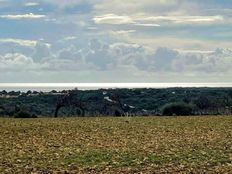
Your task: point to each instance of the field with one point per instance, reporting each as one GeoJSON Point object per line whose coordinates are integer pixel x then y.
{"type": "Point", "coordinates": [116, 145]}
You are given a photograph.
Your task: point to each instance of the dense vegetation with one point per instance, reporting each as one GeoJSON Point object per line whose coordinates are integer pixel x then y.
{"type": "Point", "coordinates": [117, 102]}
{"type": "Point", "coordinates": [116, 145]}
{"type": "Point", "coordinates": [177, 109]}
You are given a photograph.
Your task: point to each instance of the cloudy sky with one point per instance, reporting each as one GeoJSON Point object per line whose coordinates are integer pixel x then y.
{"type": "Point", "coordinates": [115, 41]}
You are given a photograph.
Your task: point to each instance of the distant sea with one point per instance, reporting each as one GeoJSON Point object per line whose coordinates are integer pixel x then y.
{"type": "Point", "coordinates": [88, 86]}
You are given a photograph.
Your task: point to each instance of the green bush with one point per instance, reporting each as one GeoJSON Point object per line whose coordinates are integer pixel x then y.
{"type": "Point", "coordinates": [23, 114]}
{"type": "Point", "coordinates": [179, 109]}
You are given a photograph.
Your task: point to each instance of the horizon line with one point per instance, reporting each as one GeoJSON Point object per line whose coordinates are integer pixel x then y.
{"type": "Point", "coordinates": [113, 85]}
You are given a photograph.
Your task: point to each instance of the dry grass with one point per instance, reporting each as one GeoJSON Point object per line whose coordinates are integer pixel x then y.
{"type": "Point", "coordinates": [116, 145]}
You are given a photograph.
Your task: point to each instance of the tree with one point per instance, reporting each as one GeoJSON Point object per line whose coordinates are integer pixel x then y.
{"type": "Point", "coordinates": [2, 111]}
{"type": "Point", "coordinates": [72, 99]}
{"type": "Point", "coordinates": [29, 92]}
{"type": "Point", "coordinates": [3, 92]}
{"type": "Point", "coordinates": [202, 102]}
{"type": "Point", "coordinates": [14, 93]}
{"type": "Point", "coordinates": [53, 92]}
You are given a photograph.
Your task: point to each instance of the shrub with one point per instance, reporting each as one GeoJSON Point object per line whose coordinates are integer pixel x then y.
{"type": "Point", "coordinates": [179, 109]}
{"type": "Point", "coordinates": [23, 114]}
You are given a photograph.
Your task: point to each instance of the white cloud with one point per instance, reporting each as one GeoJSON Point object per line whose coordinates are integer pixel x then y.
{"type": "Point", "coordinates": [23, 42]}
{"type": "Point", "coordinates": [183, 19]}
{"type": "Point", "coordinates": [148, 25]}
{"type": "Point", "coordinates": [122, 32]}
{"type": "Point", "coordinates": [92, 28]}
{"type": "Point", "coordinates": [16, 62]}
{"type": "Point", "coordinates": [70, 38]}
{"type": "Point", "coordinates": [29, 4]}
{"type": "Point", "coordinates": [194, 51]}
{"type": "Point", "coordinates": [22, 16]}
{"type": "Point", "coordinates": [118, 20]}
{"type": "Point", "coordinates": [113, 19]}
{"type": "Point", "coordinates": [155, 21]}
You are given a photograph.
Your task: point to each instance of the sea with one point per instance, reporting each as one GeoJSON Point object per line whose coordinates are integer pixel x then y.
{"type": "Point", "coordinates": [45, 87]}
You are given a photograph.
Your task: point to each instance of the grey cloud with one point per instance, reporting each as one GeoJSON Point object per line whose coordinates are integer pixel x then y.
{"type": "Point", "coordinates": [163, 58]}
{"type": "Point", "coordinates": [41, 51]}
{"type": "Point", "coordinates": [70, 53]}
{"type": "Point", "coordinates": [218, 61]}
{"type": "Point", "coordinates": [62, 65]}
{"type": "Point", "coordinates": [100, 56]}
{"type": "Point", "coordinates": [128, 54]}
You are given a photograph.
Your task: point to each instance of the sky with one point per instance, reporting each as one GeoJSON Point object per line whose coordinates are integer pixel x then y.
{"type": "Point", "coordinates": [115, 41]}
